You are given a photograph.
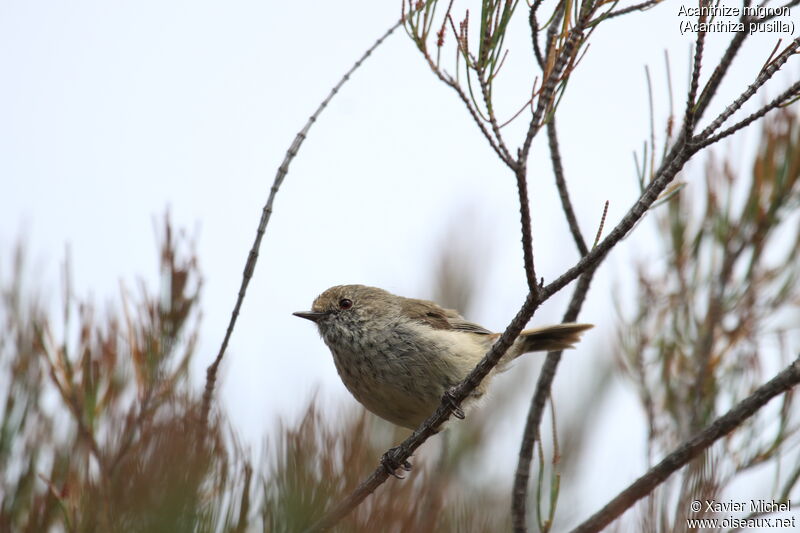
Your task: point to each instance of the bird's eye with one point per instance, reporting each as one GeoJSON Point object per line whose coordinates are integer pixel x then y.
{"type": "Point", "coordinates": [345, 303]}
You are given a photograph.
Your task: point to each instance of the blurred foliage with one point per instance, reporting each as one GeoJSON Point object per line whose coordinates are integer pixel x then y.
{"type": "Point", "coordinates": [98, 427]}
{"type": "Point", "coordinates": [318, 463]}
{"type": "Point", "coordinates": [716, 317]}
{"type": "Point", "coordinates": [100, 431]}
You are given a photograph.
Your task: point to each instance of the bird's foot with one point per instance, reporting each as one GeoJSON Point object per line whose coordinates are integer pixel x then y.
{"type": "Point", "coordinates": [391, 465]}
{"type": "Point", "coordinates": [450, 398]}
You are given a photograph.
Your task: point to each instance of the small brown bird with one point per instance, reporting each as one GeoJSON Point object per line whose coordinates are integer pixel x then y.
{"type": "Point", "coordinates": [398, 355]}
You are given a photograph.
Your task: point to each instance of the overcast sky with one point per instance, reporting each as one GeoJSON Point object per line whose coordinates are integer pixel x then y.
{"type": "Point", "coordinates": [113, 112]}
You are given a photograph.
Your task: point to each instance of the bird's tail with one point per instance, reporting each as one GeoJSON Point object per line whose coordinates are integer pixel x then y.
{"type": "Point", "coordinates": [549, 338]}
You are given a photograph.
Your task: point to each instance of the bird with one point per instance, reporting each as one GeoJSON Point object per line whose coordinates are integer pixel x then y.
{"type": "Point", "coordinates": [398, 356]}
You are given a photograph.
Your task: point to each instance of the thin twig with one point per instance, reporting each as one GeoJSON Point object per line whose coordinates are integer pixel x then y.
{"type": "Point", "coordinates": [792, 92]}
{"type": "Point", "coordinates": [714, 81]}
{"type": "Point", "coordinates": [550, 82]}
{"type": "Point", "coordinates": [651, 107]}
{"type": "Point", "coordinates": [691, 448]}
{"type": "Point", "coordinates": [534, 25]}
{"type": "Point", "coordinates": [527, 231]}
{"type": "Point", "coordinates": [266, 212]}
{"type": "Point", "coordinates": [644, 6]}
{"type": "Point", "coordinates": [448, 80]}
{"type": "Point", "coordinates": [487, 99]}
{"type": "Point", "coordinates": [760, 80]}
{"type": "Point", "coordinates": [690, 116]}
{"type": "Point", "coordinates": [561, 185]}
{"type": "Point", "coordinates": [600, 227]}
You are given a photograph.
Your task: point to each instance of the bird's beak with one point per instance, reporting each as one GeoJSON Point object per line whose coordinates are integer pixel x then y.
{"type": "Point", "coordinates": [313, 316]}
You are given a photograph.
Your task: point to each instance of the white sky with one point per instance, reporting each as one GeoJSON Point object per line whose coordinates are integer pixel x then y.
{"type": "Point", "coordinates": [111, 112]}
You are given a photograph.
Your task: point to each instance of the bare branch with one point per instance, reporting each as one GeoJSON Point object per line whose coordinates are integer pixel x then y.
{"type": "Point", "coordinates": [266, 212]}
{"type": "Point", "coordinates": [792, 92]}
{"type": "Point", "coordinates": [678, 157]}
{"type": "Point", "coordinates": [760, 80]}
{"type": "Point", "coordinates": [499, 150]}
{"type": "Point", "coordinates": [691, 448]}
{"type": "Point", "coordinates": [487, 99]}
{"type": "Point", "coordinates": [534, 25]}
{"type": "Point", "coordinates": [561, 184]}
{"type": "Point", "coordinates": [549, 85]}
{"type": "Point", "coordinates": [519, 494]}
{"type": "Point", "coordinates": [643, 6]}
{"type": "Point", "coordinates": [601, 225]}
{"type": "Point", "coordinates": [690, 115]}
{"type": "Point", "coordinates": [527, 232]}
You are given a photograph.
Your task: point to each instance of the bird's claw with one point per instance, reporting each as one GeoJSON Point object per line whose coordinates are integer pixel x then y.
{"type": "Point", "coordinates": [392, 466]}
{"type": "Point", "coordinates": [449, 397]}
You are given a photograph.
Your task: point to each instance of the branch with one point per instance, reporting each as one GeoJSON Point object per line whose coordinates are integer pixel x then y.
{"type": "Point", "coordinates": [431, 425]}
{"type": "Point", "coordinates": [527, 232]}
{"type": "Point", "coordinates": [534, 25]}
{"type": "Point", "coordinates": [678, 157]}
{"type": "Point", "coordinates": [681, 152]}
{"type": "Point", "coordinates": [453, 398]}
{"type": "Point", "coordinates": [487, 98]}
{"type": "Point", "coordinates": [501, 151]}
{"type": "Point", "coordinates": [644, 6]}
{"type": "Point", "coordinates": [561, 184]}
{"type": "Point", "coordinates": [691, 109]}
{"type": "Point", "coordinates": [691, 448]}
{"type": "Point", "coordinates": [266, 212]}
{"type": "Point", "coordinates": [712, 85]}
{"type": "Point", "coordinates": [792, 92]}
{"type": "Point", "coordinates": [765, 74]}
{"type": "Point", "coordinates": [519, 495]}
{"type": "Point", "coordinates": [549, 85]}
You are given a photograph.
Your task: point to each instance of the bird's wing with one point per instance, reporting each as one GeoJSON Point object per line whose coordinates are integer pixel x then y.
{"type": "Point", "coordinates": [439, 318]}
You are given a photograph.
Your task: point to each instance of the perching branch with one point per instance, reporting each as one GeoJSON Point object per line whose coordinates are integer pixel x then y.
{"type": "Point", "coordinates": [266, 213]}
{"type": "Point", "coordinates": [683, 148]}
{"type": "Point", "coordinates": [401, 453]}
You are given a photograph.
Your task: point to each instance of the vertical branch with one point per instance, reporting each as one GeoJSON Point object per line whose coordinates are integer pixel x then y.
{"type": "Point", "coordinates": [519, 495]}
{"type": "Point", "coordinates": [691, 100]}
{"type": "Point", "coordinates": [561, 185]}
{"type": "Point", "coordinates": [527, 233]}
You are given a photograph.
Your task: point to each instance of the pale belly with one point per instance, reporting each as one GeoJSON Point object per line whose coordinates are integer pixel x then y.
{"type": "Point", "coordinates": [403, 384]}
{"type": "Point", "coordinates": [400, 393]}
